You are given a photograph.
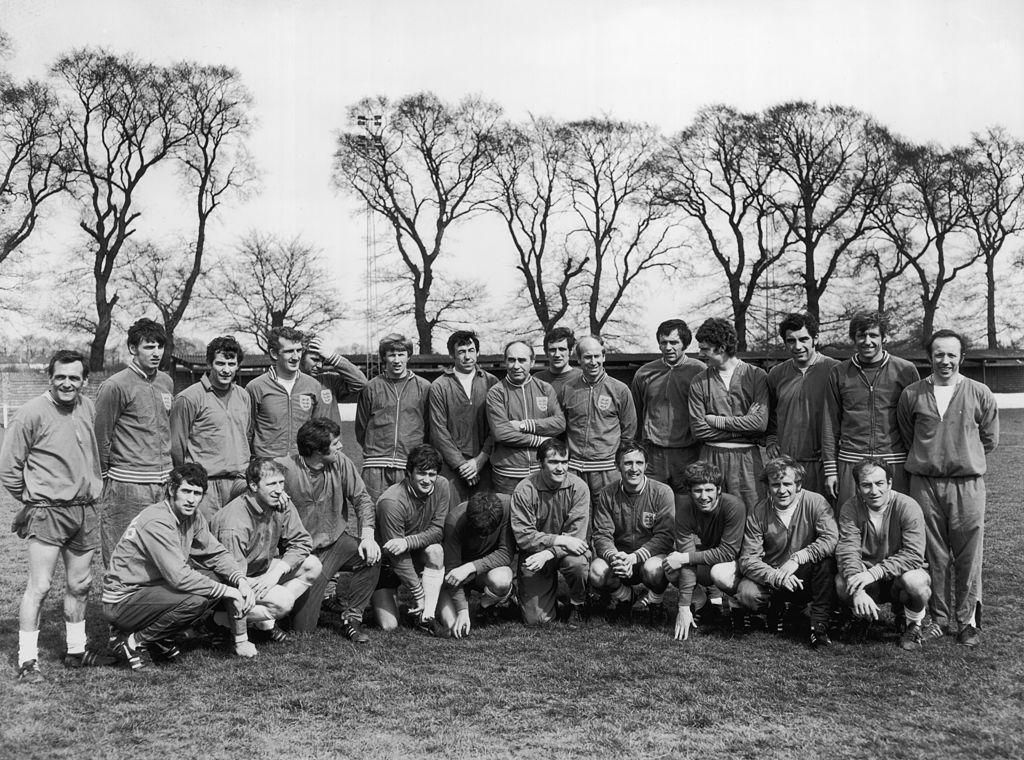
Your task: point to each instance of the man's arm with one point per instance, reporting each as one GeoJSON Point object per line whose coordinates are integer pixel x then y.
{"type": "Point", "coordinates": [434, 532]}
{"type": "Point", "coordinates": [831, 427]}
{"type": "Point", "coordinates": [109, 405]}
{"type": "Point", "coordinates": [553, 424]}
{"type": "Point", "coordinates": [848, 551]}
{"type": "Point", "coordinates": [661, 540]}
{"type": "Point", "coordinates": [352, 377]}
{"type": "Point", "coordinates": [627, 415]}
{"type": "Point", "coordinates": [295, 543]}
{"type": "Point", "coordinates": [363, 408]}
{"type": "Point", "coordinates": [502, 427]}
{"type": "Point", "coordinates": [825, 526]}
{"type": "Point", "coordinates": [988, 422]}
{"type": "Point", "coordinates": [523, 518]}
{"type": "Point", "coordinates": [161, 544]}
{"type": "Point", "coordinates": [603, 537]}
{"type": "Point", "coordinates": [911, 553]}
{"type": "Point", "coordinates": [17, 444]}
{"type": "Point", "coordinates": [699, 426]}
{"type": "Point", "coordinates": [182, 417]}
{"type": "Point", "coordinates": [905, 416]}
{"type": "Point", "coordinates": [755, 420]}
{"type": "Point", "coordinates": [636, 390]}
{"type": "Point", "coordinates": [440, 436]}
{"type": "Point", "coordinates": [751, 561]}
{"type": "Point", "coordinates": [356, 494]}
{"type": "Point", "coordinates": [734, 516]}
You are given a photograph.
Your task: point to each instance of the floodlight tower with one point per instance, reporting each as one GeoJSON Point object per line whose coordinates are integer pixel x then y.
{"type": "Point", "coordinates": [370, 144]}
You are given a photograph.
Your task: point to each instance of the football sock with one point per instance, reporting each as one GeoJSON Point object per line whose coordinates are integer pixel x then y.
{"type": "Point", "coordinates": [417, 599]}
{"type": "Point", "coordinates": [489, 599]}
{"type": "Point", "coordinates": [433, 579]}
{"type": "Point", "coordinates": [75, 633]}
{"type": "Point", "coordinates": [28, 646]}
{"type": "Point", "coordinates": [973, 617]}
{"type": "Point", "coordinates": [914, 617]}
{"type": "Point", "coordinates": [653, 598]}
{"type": "Point", "coordinates": [623, 593]}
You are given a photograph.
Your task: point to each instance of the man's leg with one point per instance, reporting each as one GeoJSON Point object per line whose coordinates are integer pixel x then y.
{"type": "Point", "coordinates": [966, 497]}
{"type": "Point", "coordinates": [306, 610]}
{"type": "Point", "coordinates": [912, 590]}
{"type": "Point", "coordinates": [819, 586]}
{"type": "Point", "coordinates": [497, 586]}
{"type": "Point", "coordinates": [503, 484]}
{"type": "Point", "coordinates": [678, 460]}
{"type": "Point", "coordinates": [154, 613]}
{"type": "Point", "coordinates": [119, 505]}
{"type": "Point", "coordinates": [537, 593]}
{"type": "Point", "coordinates": [279, 600]}
{"type": "Point", "coordinates": [432, 558]}
{"type": "Point", "coordinates": [78, 582]}
{"type": "Point", "coordinates": [753, 596]}
{"type": "Point", "coordinates": [574, 569]}
{"type": "Point", "coordinates": [42, 561]}
{"type": "Point", "coordinates": [937, 529]}
{"type": "Point", "coordinates": [847, 485]}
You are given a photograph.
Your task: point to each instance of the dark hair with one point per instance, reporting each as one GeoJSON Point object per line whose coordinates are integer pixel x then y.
{"type": "Point", "coordinates": [776, 467]}
{"type": "Point", "coordinates": [675, 325]}
{"type": "Point", "coordinates": [628, 447]}
{"type": "Point", "coordinates": [702, 472]}
{"type": "Point", "coordinates": [866, 319]}
{"type": "Point", "coordinates": [193, 472]}
{"type": "Point", "coordinates": [67, 356]}
{"type": "Point", "coordinates": [718, 332]}
{"type": "Point", "coordinates": [260, 466]}
{"type": "Point", "coordinates": [869, 463]}
{"type": "Point", "coordinates": [424, 457]}
{"type": "Point", "coordinates": [394, 342]}
{"type": "Point", "coordinates": [484, 512]}
{"type": "Point", "coordinates": [224, 344]}
{"type": "Point", "coordinates": [946, 334]}
{"type": "Point", "coordinates": [461, 338]}
{"type": "Point", "coordinates": [275, 334]}
{"type": "Point", "coordinates": [598, 338]}
{"type": "Point", "coordinates": [797, 321]}
{"type": "Point", "coordinates": [315, 436]}
{"type": "Point", "coordinates": [552, 446]}
{"type": "Point", "coordinates": [557, 334]}
{"type": "Point", "coordinates": [146, 329]}
{"type": "Point", "coordinates": [522, 342]}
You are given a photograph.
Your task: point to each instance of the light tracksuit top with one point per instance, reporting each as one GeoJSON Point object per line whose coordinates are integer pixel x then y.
{"type": "Point", "coordinates": [598, 417]}
{"type": "Point", "coordinates": [797, 405]}
{"type": "Point", "coordinates": [339, 378]}
{"type": "Point", "coordinates": [542, 511]}
{"type": "Point", "coordinates": [661, 394]}
{"type": "Point", "coordinates": [458, 423]}
{"type": "Point", "coordinates": [709, 539]}
{"type": "Point", "coordinates": [255, 535]}
{"type": "Point", "coordinates": [743, 406]}
{"type": "Point", "coordinates": [485, 552]}
{"type": "Point", "coordinates": [557, 381]}
{"type": "Point", "coordinates": [133, 428]}
{"type": "Point", "coordinates": [636, 523]}
{"type": "Point", "coordinates": [277, 415]}
{"type": "Point", "coordinates": [768, 544]}
{"type": "Point", "coordinates": [887, 553]}
{"type": "Point", "coordinates": [391, 419]}
{"type": "Point", "coordinates": [212, 428]}
{"type": "Point", "coordinates": [515, 452]}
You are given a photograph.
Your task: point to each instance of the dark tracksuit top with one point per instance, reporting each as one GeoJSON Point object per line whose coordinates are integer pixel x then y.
{"type": "Point", "coordinates": [391, 419]}
{"type": "Point", "coordinates": [278, 415]}
{"type": "Point", "coordinates": [598, 417]}
{"type": "Point", "coordinates": [639, 523]}
{"type": "Point", "coordinates": [661, 395]}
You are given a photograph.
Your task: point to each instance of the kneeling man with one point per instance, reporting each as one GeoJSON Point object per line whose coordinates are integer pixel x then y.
{"type": "Point", "coordinates": [550, 516]}
{"type": "Point", "coordinates": [632, 534]}
{"type": "Point", "coordinates": [151, 590]}
{"type": "Point", "coordinates": [881, 551]}
{"type": "Point", "coordinates": [264, 533]}
{"type": "Point", "coordinates": [788, 552]}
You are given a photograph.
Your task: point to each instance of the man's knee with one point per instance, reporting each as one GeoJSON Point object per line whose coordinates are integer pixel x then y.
{"type": "Point", "coordinates": [653, 573]}
{"type": "Point", "coordinates": [751, 595]}
{"type": "Point", "coordinates": [574, 566]}
{"type": "Point", "coordinates": [600, 573]}
{"type": "Point", "coordinates": [917, 587]}
{"type": "Point", "coordinates": [841, 589]}
{"type": "Point", "coordinates": [310, 569]}
{"type": "Point", "coordinates": [499, 580]}
{"type": "Point", "coordinates": [725, 575]}
{"type": "Point", "coordinates": [79, 586]}
{"type": "Point", "coordinates": [433, 557]}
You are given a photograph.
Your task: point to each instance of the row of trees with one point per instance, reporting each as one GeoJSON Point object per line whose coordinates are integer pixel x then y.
{"type": "Point", "coordinates": [799, 203]}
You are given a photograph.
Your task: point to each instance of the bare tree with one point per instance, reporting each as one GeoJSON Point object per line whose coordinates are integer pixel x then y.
{"type": "Point", "coordinates": [419, 162]}
{"type": "Point", "coordinates": [836, 166]}
{"type": "Point", "coordinates": [993, 189]}
{"type": "Point", "coordinates": [122, 119]}
{"type": "Point", "coordinates": [625, 230]}
{"type": "Point", "coordinates": [269, 282]}
{"type": "Point", "coordinates": [528, 167]}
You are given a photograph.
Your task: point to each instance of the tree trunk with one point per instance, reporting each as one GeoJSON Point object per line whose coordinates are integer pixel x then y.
{"type": "Point", "coordinates": [98, 346]}
{"type": "Point", "coordinates": [167, 363]}
{"type": "Point", "coordinates": [990, 305]}
{"type": "Point", "coordinates": [740, 320]}
{"type": "Point", "coordinates": [424, 330]}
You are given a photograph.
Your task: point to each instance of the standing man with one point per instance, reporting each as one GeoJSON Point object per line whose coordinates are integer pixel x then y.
{"type": "Point", "coordinates": [558, 347]}
{"type": "Point", "coordinates": [599, 418]}
{"type": "Point", "coordinates": [729, 411]}
{"type": "Point", "coordinates": [133, 432]}
{"type": "Point", "coordinates": [550, 517]}
{"type": "Point", "coordinates": [522, 412]}
{"type": "Point", "coordinates": [283, 398]}
{"type": "Point", "coordinates": [860, 410]}
{"type": "Point", "coordinates": [391, 416]}
{"type": "Point", "coordinates": [796, 392]}
{"type": "Point", "coordinates": [50, 463]}
{"type": "Point", "coordinates": [458, 417]}
{"type": "Point", "coordinates": [632, 535]}
{"type": "Point", "coordinates": [338, 377]}
{"type": "Point", "coordinates": [949, 424]}
{"type": "Point", "coordinates": [661, 394]}
{"type": "Point", "coordinates": [211, 424]}
{"type": "Point", "coordinates": [788, 553]}
{"type": "Point", "coordinates": [335, 508]}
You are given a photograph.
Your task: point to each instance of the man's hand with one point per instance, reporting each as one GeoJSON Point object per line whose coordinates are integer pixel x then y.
{"type": "Point", "coordinates": [684, 621]}
{"type": "Point", "coordinates": [459, 575]}
{"type": "Point", "coordinates": [261, 584]}
{"type": "Point", "coordinates": [572, 545]}
{"type": "Point", "coordinates": [396, 546]}
{"type": "Point", "coordinates": [674, 561]}
{"type": "Point", "coordinates": [369, 551]}
{"type": "Point", "coordinates": [832, 486]}
{"type": "Point", "coordinates": [864, 606]}
{"type": "Point", "coordinates": [468, 470]}
{"type": "Point", "coordinates": [772, 450]}
{"type": "Point", "coordinates": [859, 582]}
{"type": "Point", "coordinates": [462, 625]}
{"type": "Point", "coordinates": [791, 583]}
{"type": "Point", "coordinates": [622, 564]}
{"type": "Point", "coordinates": [536, 561]}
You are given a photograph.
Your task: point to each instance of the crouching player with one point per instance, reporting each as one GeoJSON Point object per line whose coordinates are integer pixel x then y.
{"type": "Point", "coordinates": [632, 534]}
{"type": "Point", "coordinates": [788, 551]}
{"type": "Point", "coordinates": [151, 591]}
{"type": "Point", "coordinates": [264, 533]}
{"type": "Point", "coordinates": [881, 552]}
{"type": "Point", "coordinates": [708, 536]}
{"type": "Point", "coordinates": [550, 514]}
{"type": "Point", "coordinates": [478, 547]}
{"type": "Point", "coordinates": [410, 527]}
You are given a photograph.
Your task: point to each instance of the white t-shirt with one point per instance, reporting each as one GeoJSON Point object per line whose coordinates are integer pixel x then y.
{"type": "Point", "coordinates": [288, 384]}
{"type": "Point", "coordinates": [943, 395]}
{"type": "Point", "coordinates": [466, 381]}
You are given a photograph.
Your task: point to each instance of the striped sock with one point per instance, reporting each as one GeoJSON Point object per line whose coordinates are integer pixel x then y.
{"type": "Point", "coordinates": [76, 638]}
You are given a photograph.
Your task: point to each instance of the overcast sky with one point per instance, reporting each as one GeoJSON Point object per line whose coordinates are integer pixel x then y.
{"type": "Point", "coordinates": [930, 70]}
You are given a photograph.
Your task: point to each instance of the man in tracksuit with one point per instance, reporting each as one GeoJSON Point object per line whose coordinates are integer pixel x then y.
{"type": "Point", "coordinates": [632, 533]}
{"type": "Point", "coordinates": [283, 397]}
{"type": "Point", "coordinates": [729, 411]}
{"type": "Point", "coordinates": [391, 416]}
{"type": "Point", "coordinates": [522, 412]}
{"type": "Point", "coordinates": [661, 394]}
{"type": "Point", "coordinates": [550, 516]}
{"type": "Point", "coordinates": [860, 410]}
{"type": "Point", "coordinates": [211, 425]}
{"type": "Point", "coordinates": [796, 392]}
{"type": "Point", "coordinates": [133, 432]}
{"type": "Point", "coordinates": [880, 556]}
{"type": "Point", "coordinates": [599, 417]}
{"type": "Point", "coordinates": [558, 347]}
{"type": "Point", "coordinates": [949, 424]}
{"type": "Point", "coordinates": [338, 377]}
{"type": "Point", "coordinates": [788, 554]}
{"type": "Point", "coordinates": [458, 417]}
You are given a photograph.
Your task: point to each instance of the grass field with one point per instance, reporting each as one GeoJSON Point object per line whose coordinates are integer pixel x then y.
{"type": "Point", "coordinates": [508, 692]}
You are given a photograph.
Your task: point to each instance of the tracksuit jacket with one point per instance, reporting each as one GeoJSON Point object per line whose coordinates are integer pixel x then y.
{"type": "Point", "coordinates": [50, 455]}
{"type": "Point", "coordinates": [458, 424]}
{"type": "Point", "coordinates": [639, 523]}
{"type": "Point", "coordinates": [797, 404]}
{"type": "Point", "coordinates": [661, 394]}
{"type": "Point", "coordinates": [744, 404]}
{"type": "Point", "coordinates": [133, 429]}
{"type": "Point", "coordinates": [598, 417]}
{"type": "Point", "coordinates": [339, 378]}
{"type": "Point", "coordinates": [278, 415]}
{"type": "Point", "coordinates": [255, 535]}
{"type": "Point", "coordinates": [887, 553]}
{"type": "Point", "coordinates": [860, 413]}
{"type": "Point", "coordinates": [767, 544]}
{"type": "Point", "coordinates": [557, 381]}
{"type": "Point", "coordinates": [391, 419]}
{"type": "Point", "coordinates": [709, 539]}
{"type": "Point", "coordinates": [212, 428]}
{"type": "Point", "coordinates": [515, 453]}
{"type": "Point", "coordinates": [485, 552]}
{"type": "Point", "coordinates": [542, 511]}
